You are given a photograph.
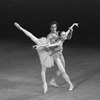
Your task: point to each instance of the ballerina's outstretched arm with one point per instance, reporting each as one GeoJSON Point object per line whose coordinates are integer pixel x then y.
{"type": "Point", "coordinates": [54, 44]}
{"type": "Point", "coordinates": [71, 28]}
{"type": "Point", "coordinates": [30, 35]}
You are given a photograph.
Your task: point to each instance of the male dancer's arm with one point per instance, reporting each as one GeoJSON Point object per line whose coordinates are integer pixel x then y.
{"type": "Point", "coordinates": [55, 44]}
{"type": "Point", "coordinates": [30, 35]}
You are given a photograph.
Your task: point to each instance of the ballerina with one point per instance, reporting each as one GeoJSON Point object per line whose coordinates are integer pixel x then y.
{"type": "Point", "coordinates": [44, 54]}
{"type": "Point", "coordinates": [59, 59]}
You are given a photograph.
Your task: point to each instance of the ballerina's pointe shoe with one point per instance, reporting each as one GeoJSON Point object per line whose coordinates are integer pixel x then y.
{"type": "Point", "coordinates": [53, 83]}
{"type": "Point", "coordinates": [45, 88]}
{"type": "Point", "coordinates": [71, 88]}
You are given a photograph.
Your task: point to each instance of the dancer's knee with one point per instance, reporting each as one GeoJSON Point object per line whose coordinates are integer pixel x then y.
{"type": "Point", "coordinates": [63, 72]}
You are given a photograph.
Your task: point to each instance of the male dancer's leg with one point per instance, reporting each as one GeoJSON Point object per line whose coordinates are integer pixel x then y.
{"type": "Point", "coordinates": [57, 74]}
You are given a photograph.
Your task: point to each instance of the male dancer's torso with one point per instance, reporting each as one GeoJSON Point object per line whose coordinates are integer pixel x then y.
{"type": "Point", "coordinates": [54, 37]}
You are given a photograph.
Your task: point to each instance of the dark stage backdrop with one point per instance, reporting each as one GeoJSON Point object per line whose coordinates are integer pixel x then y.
{"type": "Point", "coordinates": [36, 15]}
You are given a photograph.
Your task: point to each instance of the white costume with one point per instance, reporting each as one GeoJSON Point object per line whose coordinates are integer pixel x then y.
{"type": "Point", "coordinates": [44, 54]}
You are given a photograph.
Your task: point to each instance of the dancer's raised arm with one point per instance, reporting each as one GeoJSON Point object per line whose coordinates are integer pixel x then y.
{"type": "Point", "coordinates": [30, 35]}
{"type": "Point", "coordinates": [71, 28]}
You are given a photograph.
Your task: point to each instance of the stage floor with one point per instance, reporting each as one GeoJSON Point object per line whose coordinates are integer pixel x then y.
{"type": "Point", "coordinates": [20, 77]}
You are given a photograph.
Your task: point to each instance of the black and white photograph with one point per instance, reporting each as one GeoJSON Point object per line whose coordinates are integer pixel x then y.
{"type": "Point", "coordinates": [49, 50]}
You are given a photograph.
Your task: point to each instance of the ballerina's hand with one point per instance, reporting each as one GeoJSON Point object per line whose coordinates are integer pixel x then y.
{"type": "Point", "coordinates": [76, 24]}
{"type": "Point", "coordinates": [17, 25]}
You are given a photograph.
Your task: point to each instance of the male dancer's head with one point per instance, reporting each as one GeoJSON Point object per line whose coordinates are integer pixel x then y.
{"type": "Point", "coordinates": [53, 26]}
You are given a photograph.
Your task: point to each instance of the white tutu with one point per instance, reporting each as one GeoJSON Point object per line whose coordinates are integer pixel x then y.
{"type": "Point", "coordinates": [45, 58]}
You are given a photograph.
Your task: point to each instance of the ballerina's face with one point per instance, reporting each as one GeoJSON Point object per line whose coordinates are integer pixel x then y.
{"type": "Point", "coordinates": [63, 35]}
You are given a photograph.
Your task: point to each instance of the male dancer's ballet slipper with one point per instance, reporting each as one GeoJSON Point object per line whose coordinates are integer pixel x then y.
{"type": "Point", "coordinates": [53, 83]}
{"type": "Point", "coordinates": [45, 88]}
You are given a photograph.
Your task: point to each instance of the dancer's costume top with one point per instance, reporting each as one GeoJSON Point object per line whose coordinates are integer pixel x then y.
{"type": "Point", "coordinates": [57, 50]}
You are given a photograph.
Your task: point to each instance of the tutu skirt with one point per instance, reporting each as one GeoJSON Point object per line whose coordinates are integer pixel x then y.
{"type": "Point", "coordinates": [46, 59]}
